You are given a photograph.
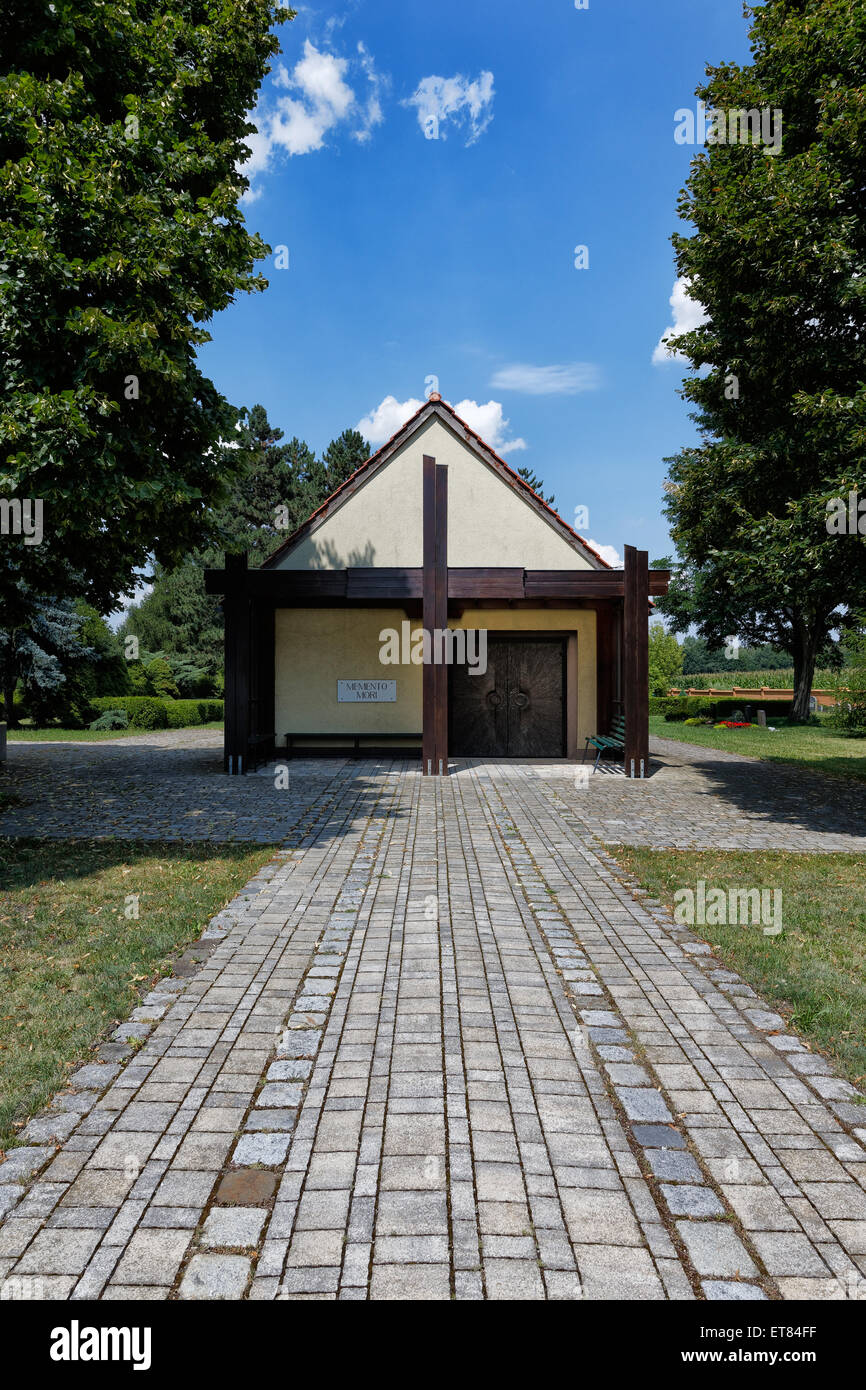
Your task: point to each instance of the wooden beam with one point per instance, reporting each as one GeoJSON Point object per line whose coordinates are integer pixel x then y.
{"type": "Point", "coordinates": [281, 587]}
{"type": "Point", "coordinates": [285, 588]}
{"type": "Point", "coordinates": [587, 583]}
{"type": "Point", "coordinates": [384, 583]}
{"type": "Point", "coordinates": [486, 583]}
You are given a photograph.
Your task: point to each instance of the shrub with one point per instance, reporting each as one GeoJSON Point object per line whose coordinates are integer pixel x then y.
{"type": "Point", "coordinates": [179, 714]}
{"type": "Point", "coordinates": [661, 704]}
{"type": "Point", "coordinates": [849, 714]}
{"type": "Point", "coordinates": [775, 710]}
{"type": "Point", "coordinates": [150, 714]}
{"type": "Point", "coordinates": [69, 705]}
{"type": "Point", "coordinates": [111, 719]}
{"type": "Point", "coordinates": [139, 683]}
{"type": "Point", "coordinates": [688, 707]}
{"type": "Point", "coordinates": [161, 679]}
{"type": "Point", "coordinates": [183, 714]}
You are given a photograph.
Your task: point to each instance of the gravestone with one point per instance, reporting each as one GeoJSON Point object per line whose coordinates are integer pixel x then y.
{"type": "Point", "coordinates": [762, 718]}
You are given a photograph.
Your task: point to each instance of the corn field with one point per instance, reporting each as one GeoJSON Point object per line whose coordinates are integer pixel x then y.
{"type": "Point", "coordinates": [753, 680]}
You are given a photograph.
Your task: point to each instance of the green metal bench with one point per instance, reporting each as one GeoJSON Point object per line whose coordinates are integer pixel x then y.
{"type": "Point", "coordinates": [612, 742]}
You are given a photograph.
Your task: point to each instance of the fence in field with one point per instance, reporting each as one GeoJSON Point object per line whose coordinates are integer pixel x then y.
{"type": "Point", "coordinates": [754, 694]}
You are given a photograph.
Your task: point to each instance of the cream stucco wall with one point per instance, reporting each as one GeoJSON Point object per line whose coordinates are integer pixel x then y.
{"type": "Point", "coordinates": [381, 523]}
{"type": "Point", "coordinates": [317, 647]}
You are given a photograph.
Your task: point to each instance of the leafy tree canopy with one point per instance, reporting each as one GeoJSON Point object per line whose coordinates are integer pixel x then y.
{"type": "Point", "coordinates": [277, 485]}
{"type": "Point", "coordinates": [778, 260]}
{"type": "Point", "coordinates": [665, 659]}
{"type": "Point", "coordinates": [122, 126]}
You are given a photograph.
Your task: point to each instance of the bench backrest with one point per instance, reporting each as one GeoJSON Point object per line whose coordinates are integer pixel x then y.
{"type": "Point", "coordinates": [617, 724]}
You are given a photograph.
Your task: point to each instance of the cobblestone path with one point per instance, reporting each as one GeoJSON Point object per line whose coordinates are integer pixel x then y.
{"type": "Point", "coordinates": [170, 785]}
{"type": "Point", "coordinates": [442, 1050]}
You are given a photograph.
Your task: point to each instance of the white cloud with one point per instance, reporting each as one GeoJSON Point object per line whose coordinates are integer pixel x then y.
{"type": "Point", "coordinates": [319, 100]}
{"type": "Point", "coordinates": [387, 419]}
{"type": "Point", "coordinates": [608, 552]}
{"type": "Point", "coordinates": [688, 314]}
{"type": "Point", "coordinates": [487, 420]}
{"type": "Point", "coordinates": [455, 101]}
{"type": "Point", "coordinates": [373, 114]}
{"type": "Point", "coordinates": [567, 379]}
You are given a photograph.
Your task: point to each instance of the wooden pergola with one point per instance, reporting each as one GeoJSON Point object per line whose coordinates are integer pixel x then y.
{"type": "Point", "coordinates": [434, 593]}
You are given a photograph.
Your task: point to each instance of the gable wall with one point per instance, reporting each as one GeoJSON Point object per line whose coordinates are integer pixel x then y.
{"type": "Point", "coordinates": [381, 523]}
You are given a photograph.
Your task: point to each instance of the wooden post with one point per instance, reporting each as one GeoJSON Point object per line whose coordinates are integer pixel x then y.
{"type": "Point", "coordinates": [434, 743]}
{"type": "Point", "coordinates": [236, 611]}
{"type": "Point", "coordinates": [606, 662]}
{"type": "Point", "coordinates": [636, 662]}
{"type": "Point", "coordinates": [264, 617]}
{"type": "Point", "coordinates": [441, 618]}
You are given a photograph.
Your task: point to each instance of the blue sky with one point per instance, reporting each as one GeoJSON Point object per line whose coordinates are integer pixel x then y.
{"type": "Point", "coordinates": [430, 170]}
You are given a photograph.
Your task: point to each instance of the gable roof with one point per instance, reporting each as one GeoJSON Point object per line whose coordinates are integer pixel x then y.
{"type": "Point", "coordinates": [436, 406]}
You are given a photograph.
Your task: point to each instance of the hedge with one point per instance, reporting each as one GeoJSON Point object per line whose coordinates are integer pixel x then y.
{"type": "Point", "coordinates": [676, 711]}
{"type": "Point", "coordinates": [179, 714]}
{"type": "Point", "coordinates": [663, 704]}
{"type": "Point", "coordinates": [774, 709]}
{"type": "Point", "coordinates": [687, 708]}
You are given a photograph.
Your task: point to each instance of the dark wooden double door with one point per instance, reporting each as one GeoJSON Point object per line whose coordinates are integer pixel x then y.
{"type": "Point", "coordinates": [517, 708]}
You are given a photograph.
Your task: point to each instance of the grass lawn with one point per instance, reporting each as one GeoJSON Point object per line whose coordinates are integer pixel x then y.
{"type": "Point", "coordinates": [91, 735]}
{"type": "Point", "coordinates": [821, 749]}
{"type": "Point", "coordinates": [814, 972]}
{"type": "Point", "coordinates": [72, 963]}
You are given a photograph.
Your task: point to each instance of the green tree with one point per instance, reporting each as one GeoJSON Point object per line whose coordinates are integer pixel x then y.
{"type": "Point", "coordinates": [62, 657]}
{"type": "Point", "coordinates": [777, 260]}
{"type": "Point", "coordinates": [122, 126]}
{"type": "Point", "coordinates": [665, 659]}
{"type": "Point", "coordinates": [276, 487]}
{"type": "Point", "coordinates": [850, 711]}
{"type": "Point", "coordinates": [107, 672]}
{"type": "Point", "coordinates": [536, 483]}
{"type": "Point", "coordinates": [343, 455]}
{"type": "Point", "coordinates": [262, 485]}
{"type": "Point", "coordinates": [177, 618]}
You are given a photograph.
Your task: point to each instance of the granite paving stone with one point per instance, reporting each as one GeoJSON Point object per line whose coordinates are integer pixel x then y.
{"type": "Point", "coordinates": [440, 1046]}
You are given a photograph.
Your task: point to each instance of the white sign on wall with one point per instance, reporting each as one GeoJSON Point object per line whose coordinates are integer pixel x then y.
{"type": "Point", "coordinates": [366, 692]}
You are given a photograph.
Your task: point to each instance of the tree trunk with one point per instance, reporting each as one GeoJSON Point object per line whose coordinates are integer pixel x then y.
{"type": "Point", "coordinates": [807, 639]}
{"type": "Point", "coordinates": [9, 705]}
